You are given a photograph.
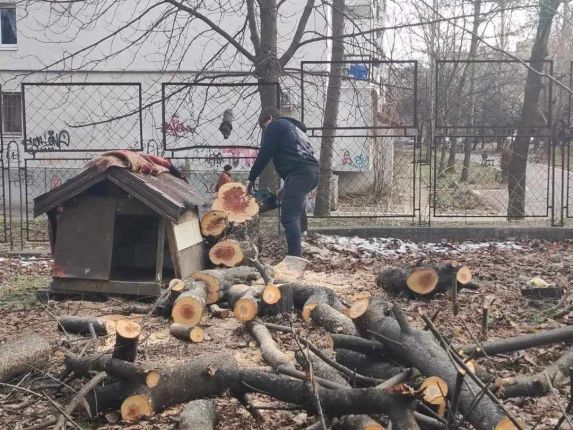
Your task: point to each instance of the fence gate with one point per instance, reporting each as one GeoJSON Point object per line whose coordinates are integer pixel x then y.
{"type": "Point", "coordinates": [376, 151]}
{"type": "Point", "coordinates": [477, 108]}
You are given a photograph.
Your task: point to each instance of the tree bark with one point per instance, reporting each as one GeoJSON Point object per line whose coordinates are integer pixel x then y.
{"type": "Point", "coordinates": [187, 333]}
{"type": "Point", "coordinates": [516, 185]}
{"type": "Point", "coordinates": [322, 205]}
{"type": "Point", "coordinates": [22, 355]}
{"type": "Point", "coordinates": [80, 325]}
{"type": "Point", "coordinates": [371, 348]}
{"type": "Point", "coordinates": [367, 366]}
{"type": "Point", "coordinates": [428, 357]}
{"type": "Point", "coordinates": [198, 415]}
{"type": "Point", "coordinates": [332, 320]}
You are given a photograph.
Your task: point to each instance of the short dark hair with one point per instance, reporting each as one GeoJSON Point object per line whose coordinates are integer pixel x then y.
{"type": "Point", "coordinates": [267, 113]}
{"type": "Point", "coordinates": [227, 167]}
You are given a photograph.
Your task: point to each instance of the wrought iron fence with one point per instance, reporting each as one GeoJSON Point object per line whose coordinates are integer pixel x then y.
{"type": "Point", "coordinates": [375, 149]}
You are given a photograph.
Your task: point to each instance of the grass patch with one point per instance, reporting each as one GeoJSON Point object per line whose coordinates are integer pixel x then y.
{"type": "Point", "coordinates": [19, 292]}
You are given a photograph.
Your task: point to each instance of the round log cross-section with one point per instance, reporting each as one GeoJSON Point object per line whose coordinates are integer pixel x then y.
{"type": "Point", "coordinates": [126, 337]}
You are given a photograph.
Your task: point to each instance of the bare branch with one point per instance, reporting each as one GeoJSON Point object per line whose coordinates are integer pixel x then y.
{"type": "Point", "coordinates": [295, 43]}
{"type": "Point", "coordinates": [214, 27]}
{"type": "Point", "coordinates": [255, 39]}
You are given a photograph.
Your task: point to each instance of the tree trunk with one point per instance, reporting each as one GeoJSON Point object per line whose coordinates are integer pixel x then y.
{"type": "Point", "coordinates": [268, 70]}
{"type": "Point", "coordinates": [198, 415]}
{"type": "Point", "coordinates": [22, 355]}
{"type": "Point", "coordinates": [471, 108]}
{"type": "Point", "coordinates": [518, 165]}
{"type": "Point", "coordinates": [322, 206]}
{"type": "Point", "coordinates": [428, 357]}
{"type": "Point", "coordinates": [187, 333]}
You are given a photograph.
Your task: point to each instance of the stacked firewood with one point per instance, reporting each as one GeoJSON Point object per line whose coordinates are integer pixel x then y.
{"type": "Point", "coordinates": [379, 369]}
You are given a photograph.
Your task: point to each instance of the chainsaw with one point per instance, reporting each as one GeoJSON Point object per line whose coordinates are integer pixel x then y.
{"type": "Point", "coordinates": [266, 200]}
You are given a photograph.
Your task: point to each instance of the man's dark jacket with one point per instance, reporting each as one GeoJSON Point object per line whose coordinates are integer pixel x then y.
{"type": "Point", "coordinates": [286, 142]}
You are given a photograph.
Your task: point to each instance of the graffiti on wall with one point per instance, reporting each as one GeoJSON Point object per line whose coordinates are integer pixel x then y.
{"type": "Point", "coordinates": [360, 161]}
{"type": "Point", "coordinates": [176, 127]}
{"type": "Point", "coordinates": [49, 141]}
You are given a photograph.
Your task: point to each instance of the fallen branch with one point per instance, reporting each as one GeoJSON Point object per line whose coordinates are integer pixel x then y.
{"type": "Point", "coordinates": [198, 415]}
{"type": "Point", "coordinates": [20, 355]}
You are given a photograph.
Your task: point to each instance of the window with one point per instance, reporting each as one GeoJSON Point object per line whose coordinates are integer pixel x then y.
{"type": "Point", "coordinates": [7, 26]}
{"type": "Point", "coordinates": [12, 113]}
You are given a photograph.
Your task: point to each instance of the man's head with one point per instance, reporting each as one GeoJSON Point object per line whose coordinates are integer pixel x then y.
{"type": "Point", "coordinates": [268, 114]}
{"type": "Point", "coordinates": [227, 168]}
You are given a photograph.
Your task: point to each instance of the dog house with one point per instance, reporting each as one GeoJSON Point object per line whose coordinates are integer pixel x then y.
{"type": "Point", "coordinates": [117, 231]}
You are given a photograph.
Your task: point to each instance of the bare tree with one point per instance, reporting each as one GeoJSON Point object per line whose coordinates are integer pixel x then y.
{"type": "Point", "coordinates": [518, 165]}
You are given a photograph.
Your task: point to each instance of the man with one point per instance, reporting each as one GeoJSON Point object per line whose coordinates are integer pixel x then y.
{"type": "Point", "coordinates": [285, 142]}
{"type": "Point", "coordinates": [224, 177]}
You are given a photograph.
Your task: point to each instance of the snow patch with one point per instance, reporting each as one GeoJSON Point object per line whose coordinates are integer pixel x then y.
{"type": "Point", "coordinates": [381, 246]}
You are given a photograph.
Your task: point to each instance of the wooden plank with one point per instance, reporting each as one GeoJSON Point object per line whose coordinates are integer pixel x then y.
{"type": "Point", "coordinates": [191, 260]}
{"type": "Point", "coordinates": [132, 288]}
{"type": "Point", "coordinates": [160, 248]}
{"type": "Point", "coordinates": [84, 239]}
{"type": "Point", "coordinates": [173, 250]}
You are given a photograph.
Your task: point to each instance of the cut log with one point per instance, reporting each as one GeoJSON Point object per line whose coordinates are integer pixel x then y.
{"type": "Point", "coordinates": [228, 253]}
{"type": "Point", "coordinates": [214, 223]}
{"type": "Point", "coordinates": [518, 343]}
{"type": "Point", "coordinates": [332, 320]}
{"type": "Point", "coordinates": [165, 301]}
{"type": "Point", "coordinates": [424, 353]}
{"type": "Point", "coordinates": [189, 306]}
{"type": "Point", "coordinates": [371, 348]}
{"type": "Point", "coordinates": [537, 384]}
{"type": "Point", "coordinates": [318, 296]}
{"type": "Point", "coordinates": [358, 308]}
{"type": "Point", "coordinates": [136, 407]}
{"type": "Point", "coordinates": [367, 366]}
{"type": "Point", "coordinates": [192, 380]}
{"type": "Point", "coordinates": [198, 415]}
{"type": "Point", "coordinates": [233, 199]}
{"type": "Point", "coordinates": [423, 281]}
{"type": "Point", "coordinates": [247, 307]}
{"type": "Point", "coordinates": [126, 338]}
{"type": "Point", "coordinates": [80, 325]}
{"type": "Point", "coordinates": [114, 367]}
{"type": "Point", "coordinates": [187, 333]}
{"type": "Point", "coordinates": [358, 422]}
{"type": "Point", "coordinates": [22, 355]}
{"type": "Point", "coordinates": [435, 390]}
{"type": "Point", "coordinates": [217, 311]}
{"type": "Point", "coordinates": [393, 280]}
{"type": "Point", "coordinates": [271, 294]}
{"type": "Point", "coordinates": [221, 279]}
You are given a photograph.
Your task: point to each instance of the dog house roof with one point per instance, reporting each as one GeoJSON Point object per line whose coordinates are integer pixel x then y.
{"type": "Point", "coordinates": [165, 194]}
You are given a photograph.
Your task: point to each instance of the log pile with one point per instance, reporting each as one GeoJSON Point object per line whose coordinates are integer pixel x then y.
{"type": "Point", "coordinates": [379, 368]}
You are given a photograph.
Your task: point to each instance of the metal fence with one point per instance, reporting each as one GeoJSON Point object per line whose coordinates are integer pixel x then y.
{"type": "Point", "coordinates": [389, 161]}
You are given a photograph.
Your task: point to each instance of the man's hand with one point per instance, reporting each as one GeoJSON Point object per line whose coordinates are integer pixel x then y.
{"type": "Point", "coordinates": [250, 188]}
{"type": "Point", "coordinates": [280, 193]}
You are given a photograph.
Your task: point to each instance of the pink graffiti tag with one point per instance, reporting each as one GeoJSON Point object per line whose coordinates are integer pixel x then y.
{"type": "Point", "coordinates": [346, 158]}
{"type": "Point", "coordinates": [177, 128]}
{"type": "Point", "coordinates": [237, 154]}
